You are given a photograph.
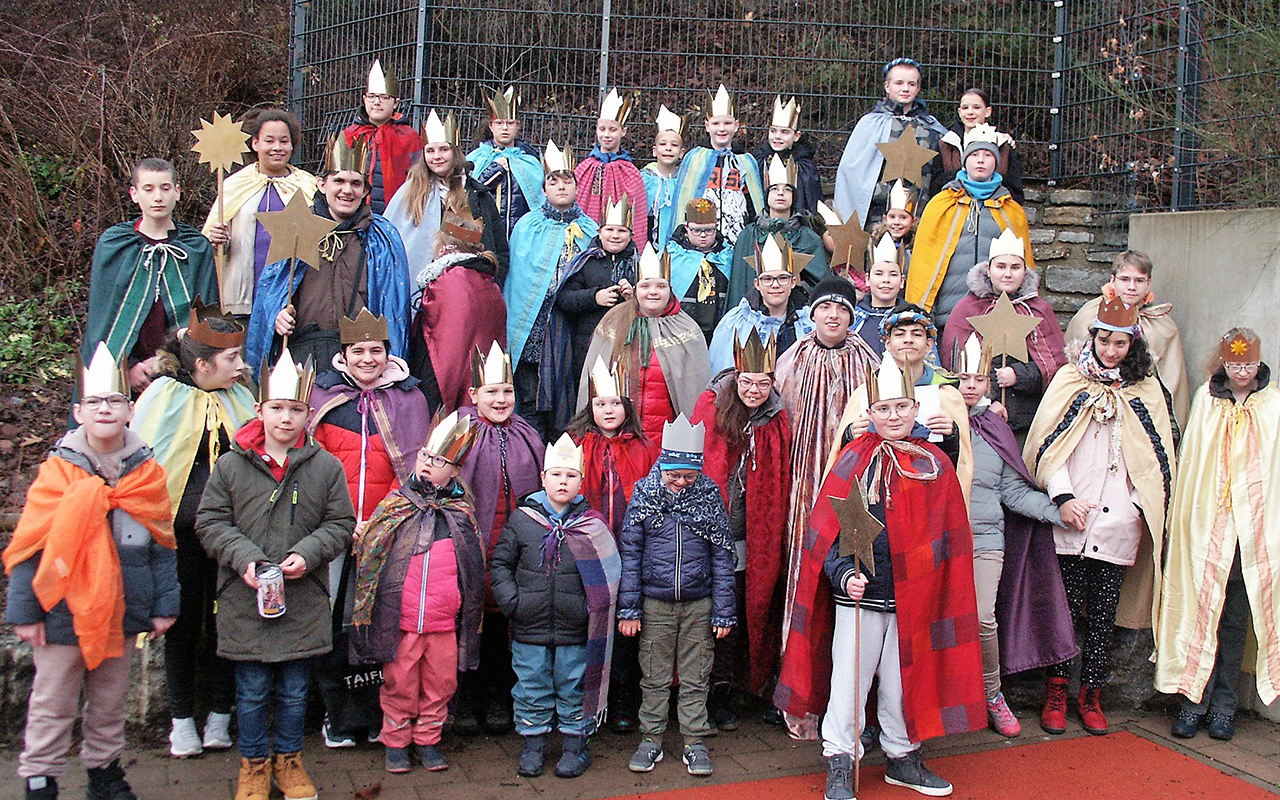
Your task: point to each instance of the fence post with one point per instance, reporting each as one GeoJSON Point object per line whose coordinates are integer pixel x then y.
{"type": "Point", "coordinates": [420, 59]}
{"type": "Point", "coordinates": [297, 81]}
{"type": "Point", "coordinates": [606, 12]}
{"type": "Point", "coordinates": [1186, 112]}
{"type": "Point", "coordinates": [1058, 79]}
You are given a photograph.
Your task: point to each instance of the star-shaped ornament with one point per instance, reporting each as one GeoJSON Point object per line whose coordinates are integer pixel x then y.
{"type": "Point", "coordinates": [858, 527]}
{"type": "Point", "coordinates": [221, 144]}
{"type": "Point", "coordinates": [1238, 346]}
{"type": "Point", "coordinates": [904, 157]}
{"type": "Point", "coordinates": [295, 232]}
{"type": "Point", "coordinates": [851, 242]}
{"type": "Point", "coordinates": [1004, 330]}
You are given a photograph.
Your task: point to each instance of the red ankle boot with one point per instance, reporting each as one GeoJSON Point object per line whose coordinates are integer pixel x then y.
{"type": "Point", "coordinates": [1054, 717]}
{"type": "Point", "coordinates": [1091, 711]}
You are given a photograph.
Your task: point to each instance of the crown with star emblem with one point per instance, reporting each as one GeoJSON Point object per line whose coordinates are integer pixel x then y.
{"type": "Point", "coordinates": [1240, 346]}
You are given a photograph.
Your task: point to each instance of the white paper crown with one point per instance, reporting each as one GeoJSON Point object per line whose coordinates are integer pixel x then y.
{"type": "Point", "coordinates": [1008, 243]}
{"type": "Point", "coordinates": [889, 383]}
{"type": "Point", "coordinates": [103, 376]}
{"type": "Point", "coordinates": [780, 171]}
{"type": "Point", "coordinates": [785, 116]}
{"type": "Point", "coordinates": [722, 104]}
{"type": "Point", "coordinates": [616, 107]}
{"type": "Point", "coordinates": [381, 81]}
{"type": "Point", "coordinates": [667, 120]}
{"type": "Point", "coordinates": [653, 264]}
{"type": "Point", "coordinates": [605, 383]}
{"type": "Point", "coordinates": [981, 132]}
{"type": "Point", "coordinates": [885, 251]}
{"type": "Point", "coordinates": [972, 358]}
{"type": "Point", "coordinates": [900, 198]}
{"type": "Point", "coordinates": [617, 212]}
{"type": "Point", "coordinates": [556, 160]}
{"type": "Point", "coordinates": [288, 380]}
{"type": "Point", "coordinates": [678, 436]}
{"type": "Point", "coordinates": [492, 368]}
{"type": "Point", "coordinates": [437, 131]}
{"type": "Point", "coordinates": [564, 454]}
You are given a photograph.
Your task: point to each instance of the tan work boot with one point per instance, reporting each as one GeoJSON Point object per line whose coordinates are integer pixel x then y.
{"type": "Point", "coordinates": [292, 778]}
{"type": "Point", "coordinates": [254, 782]}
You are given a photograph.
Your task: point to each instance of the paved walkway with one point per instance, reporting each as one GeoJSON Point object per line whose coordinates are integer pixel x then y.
{"type": "Point", "coordinates": [484, 768]}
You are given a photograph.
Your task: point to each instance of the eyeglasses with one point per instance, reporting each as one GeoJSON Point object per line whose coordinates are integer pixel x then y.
{"type": "Point", "coordinates": [114, 402]}
{"type": "Point", "coordinates": [700, 231]}
{"type": "Point", "coordinates": [433, 460]}
{"type": "Point", "coordinates": [682, 477]}
{"type": "Point", "coordinates": [381, 98]}
{"type": "Point", "coordinates": [1239, 367]}
{"type": "Point", "coordinates": [889, 411]}
{"type": "Point", "coordinates": [746, 384]}
{"type": "Point", "coordinates": [774, 280]}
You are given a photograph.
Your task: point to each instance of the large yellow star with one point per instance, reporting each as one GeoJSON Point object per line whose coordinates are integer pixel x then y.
{"type": "Point", "coordinates": [904, 157]}
{"type": "Point", "coordinates": [858, 527]}
{"type": "Point", "coordinates": [295, 232]}
{"type": "Point", "coordinates": [1004, 331]}
{"type": "Point", "coordinates": [221, 144]}
{"type": "Point", "coordinates": [850, 244]}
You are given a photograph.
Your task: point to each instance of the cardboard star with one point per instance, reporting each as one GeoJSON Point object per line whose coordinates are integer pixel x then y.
{"type": "Point", "coordinates": [858, 527]}
{"type": "Point", "coordinates": [1004, 330]}
{"type": "Point", "coordinates": [295, 232]}
{"type": "Point", "coordinates": [851, 242]}
{"type": "Point", "coordinates": [221, 143]}
{"type": "Point", "coordinates": [904, 157]}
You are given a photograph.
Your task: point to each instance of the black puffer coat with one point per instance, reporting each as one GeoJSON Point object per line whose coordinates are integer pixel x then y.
{"type": "Point", "coordinates": [577, 297]}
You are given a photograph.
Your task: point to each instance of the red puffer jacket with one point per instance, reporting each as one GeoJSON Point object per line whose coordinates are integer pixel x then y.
{"type": "Point", "coordinates": [653, 400]}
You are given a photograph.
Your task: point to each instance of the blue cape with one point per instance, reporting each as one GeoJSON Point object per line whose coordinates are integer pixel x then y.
{"type": "Point", "coordinates": [695, 173]}
{"type": "Point", "coordinates": [741, 319]}
{"type": "Point", "coordinates": [524, 166]}
{"type": "Point", "coordinates": [685, 264]}
{"type": "Point", "coordinates": [536, 243]}
{"type": "Point", "coordinates": [859, 169]}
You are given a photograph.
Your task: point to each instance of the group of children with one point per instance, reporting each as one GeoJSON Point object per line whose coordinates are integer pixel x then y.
{"type": "Point", "coordinates": [550, 434]}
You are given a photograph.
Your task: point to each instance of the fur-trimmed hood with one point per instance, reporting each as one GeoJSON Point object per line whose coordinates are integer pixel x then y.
{"type": "Point", "coordinates": [980, 284]}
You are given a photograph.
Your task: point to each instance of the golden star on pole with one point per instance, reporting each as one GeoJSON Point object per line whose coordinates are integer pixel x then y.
{"type": "Point", "coordinates": [295, 232]}
{"type": "Point", "coordinates": [221, 143]}
{"type": "Point", "coordinates": [1004, 331]}
{"type": "Point", "coordinates": [858, 527]}
{"type": "Point", "coordinates": [904, 157]}
{"type": "Point", "coordinates": [850, 243]}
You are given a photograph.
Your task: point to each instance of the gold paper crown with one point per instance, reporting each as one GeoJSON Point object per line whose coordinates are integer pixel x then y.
{"type": "Point", "coordinates": [556, 160]}
{"type": "Point", "coordinates": [888, 383]}
{"type": "Point", "coordinates": [564, 454]}
{"type": "Point", "coordinates": [199, 330]}
{"type": "Point", "coordinates": [451, 436]}
{"type": "Point", "coordinates": [1007, 244]}
{"type": "Point", "coordinates": [1240, 346]}
{"type": "Point", "coordinates": [436, 132]}
{"type": "Point", "coordinates": [787, 116]}
{"type": "Point", "coordinates": [287, 380]}
{"type": "Point", "coordinates": [653, 265]}
{"type": "Point", "coordinates": [504, 105]}
{"type": "Point", "coordinates": [886, 251]}
{"type": "Point", "coordinates": [104, 376]}
{"type": "Point", "coordinates": [492, 368]}
{"type": "Point", "coordinates": [669, 121]}
{"type": "Point", "coordinates": [981, 132]}
{"type": "Point", "coordinates": [971, 358]}
{"type": "Point", "coordinates": [777, 255]}
{"type": "Point", "coordinates": [780, 171]}
{"type": "Point", "coordinates": [1113, 314]}
{"type": "Point", "coordinates": [606, 383]}
{"type": "Point", "coordinates": [902, 198]}
{"type": "Point", "coordinates": [461, 224]}
{"type": "Point", "coordinates": [755, 356]}
{"type": "Point", "coordinates": [382, 81]}
{"type": "Point", "coordinates": [618, 212]}
{"type": "Point", "coordinates": [722, 104]}
{"type": "Point", "coordinates": [339, 156]}
{"type": "Point", "coordinates": [364, 328]}
{"type": "Point", "coordinates": [701, 211]}
{"type": "Point", "coordinates": [618, 107]}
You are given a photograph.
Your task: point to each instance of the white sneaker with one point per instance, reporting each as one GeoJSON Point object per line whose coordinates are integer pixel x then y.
{"type": "Point", "coordinates": [335, 740]}
{"type": "Point", "coordinates": [217, 731]}
{"type": "Point", "coordinates": [184, 740]}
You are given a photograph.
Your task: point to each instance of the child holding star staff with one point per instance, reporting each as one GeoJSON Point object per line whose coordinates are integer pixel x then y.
{"type": "Point", "coordinates": [221, 145]}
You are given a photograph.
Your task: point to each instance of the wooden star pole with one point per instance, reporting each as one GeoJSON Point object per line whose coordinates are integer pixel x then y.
{"type": "Point", "coordinates": [296, 233]}
{"type": "Point", "coordinates": [221, 144]}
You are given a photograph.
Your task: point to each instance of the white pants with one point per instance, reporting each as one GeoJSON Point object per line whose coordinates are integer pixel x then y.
{"type": "Point", "coordinates": [876, 653]}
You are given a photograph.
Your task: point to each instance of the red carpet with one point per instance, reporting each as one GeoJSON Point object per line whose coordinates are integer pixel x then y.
{"type": "Point", "coordinates": [1121, 766]}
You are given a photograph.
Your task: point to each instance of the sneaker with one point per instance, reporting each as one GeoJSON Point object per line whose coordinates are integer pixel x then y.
{"type": "Point", "coordinates": [697, 759]}
{"type": "Point", "coordinates": [396, 760]}
{"type": "Point", "coordinates": [1221, 726]}
{"type": "Point", "coordinates": [840, 777]}
{"type": "Point", "coordinates": [870, 738]}
{"type": "Point", "coordinates": [254, 782]}
{"type": "Point", "coordinates": [574, 758]}
{"type": "Point", "coordinates": [42, 787]}
{"type": "Point", "coordinates": [1186, 724]}
{"type": "Point", "coordinates": [1091, 711]}
{"type": "Point", "coordinates": [1054, 717]}
{"type": "Point", "coordinates": [184, 739]}
{"type": "Point", "coordinates": [647, 754]}
{"type": "Point", "coordinates": [292, 778]}
{"type": "Point", "coordinates": [374, 736]}
{"type": "Point", "coordinates": [910, 771]}
{"type": "Point", "coordinates": [1001, 717]}
{"type": "Point", "coordinates": [533, 756]}
{"type": "Point", "coordinates": [430, 757]}
{"type": "Point", "coordinates": [108, 783]}
{"type": "Point", "coordinates": [217, 731]}
{"type": "Point", "coordinates": [333, 739]}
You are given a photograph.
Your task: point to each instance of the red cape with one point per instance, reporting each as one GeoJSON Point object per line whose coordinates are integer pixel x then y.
{"type": "Point", "coordinates": [768, 487]}
{"type": "Point", "coordinates": [397, 145]}
{"type": "Point", "coordinates": [462, 309]}
{"type": "Point", "coordinates": [632, 458]}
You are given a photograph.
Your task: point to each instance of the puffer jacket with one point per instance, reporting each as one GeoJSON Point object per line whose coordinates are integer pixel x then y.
{"type": "Point", "coordinates": [547, 604]}
{"type": "Point", "coordinates": [576, 298]}
{"type": "Point", "coordinates": [997, 486]}
{"type": "Point", "coordinates": [652, 399]}
{"type": "Point", "coordinates": [247, 516]}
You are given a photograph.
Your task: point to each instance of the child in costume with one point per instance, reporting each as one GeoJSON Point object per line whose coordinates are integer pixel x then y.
{"type": "Point", "coordinates": [543, 245]}
{"type": "Point", "coordinates": [555, 574]}
{"type": "Point", "coordinates": [1220, 563]}
{"type": "Point", "coordinates": [265, 185]}
{"type": "Point", "coordinates": [889, 542]}
{"type": "Point", "coordinates": [368, 412]}
{"type": "Point", "coordinates": [1102, 435]}
{"type": "Point", "coordinates": [277, 500]}
{"type": "Point", "coordinates": [787, 142]}
{"type": "Point", "coordinates": [91, 565]}
{"type": "Point", "coordinates": [780, 220]}
{"type": "Point", "coordinates": [502, 467]}
{"type": "Point", "coordinates": [393, 143]}
{"type": "Point", "coordinates": [885, 277]}
{"type": "Point", "coordinates": [145, 274]}
{"type": "Point", "coordinates": [608, 173]}
{"type": "Point", "coordinates": [1005, 271]}
{"type": "Point", "coordinates": [655, 345]}
{"type": "Point", "coordinates": [773, 307]}
{"type": "Point", "coordinates": [899, 220]}
{"type": "Point", "coordinates": [860, 194]}
{"type": "Point", "coordinates": [189, 415]}
{"type": "Point", "coordinates": [660, 174]}
{"type": "Point", "coordinates": [507, 164]}
{"type": "Point", "coordinates": [419, 596]}
{"type": "Point", "coordinates": [975, 109]}
{"type": "Point", "coordinates": [747, 453]}
{"type": "Point", "coordinates": [700, 259]}
{"type": "Point", "coordinates": [719, 172]}
{"type": "Point", "coordinates": [677, 592]}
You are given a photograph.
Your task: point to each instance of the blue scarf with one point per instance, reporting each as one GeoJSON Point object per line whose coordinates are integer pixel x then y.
{"type": "Point", "coordinates": [980, 190]}
{"type": "Point", "coordinates": [605, 158]}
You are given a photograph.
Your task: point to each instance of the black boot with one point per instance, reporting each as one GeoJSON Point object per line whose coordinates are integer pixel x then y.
{"type": "Point", "coordinates": [466, 719]}
{"type": "Point", "coordinates": [497, 715]}
{"type": "Point", "coordinates": [532, 756]}
{"type": "Point", "coordinates": [42, 787]}
{"type": "Point", "coordinates": [108, 783]}
{"type": "Point", "coordinates": [575, 757]}
{"type": "Point", "coordinates": [720, 707]}
{"type": "Point", "coordinates": [622, 711]}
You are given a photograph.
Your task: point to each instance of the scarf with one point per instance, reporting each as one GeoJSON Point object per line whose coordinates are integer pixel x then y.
{"type": "Point", "coordinates": [605, 158]}
{"type": "Point", "coordinates": [1093, 370]}
{"type": "Point", "coordinates": [697, 507]}
{"type": "Point", "coordinates": [980, 190]}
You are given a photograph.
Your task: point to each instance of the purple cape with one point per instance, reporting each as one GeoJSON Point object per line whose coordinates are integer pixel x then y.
{"type": "Point", "coordinates": [482, 468]}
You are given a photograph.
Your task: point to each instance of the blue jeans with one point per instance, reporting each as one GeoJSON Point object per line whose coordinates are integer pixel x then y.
{"type": "Point", "coordinates": [256, 683]}
{"type": "Point", "coordinates": [549, 680]}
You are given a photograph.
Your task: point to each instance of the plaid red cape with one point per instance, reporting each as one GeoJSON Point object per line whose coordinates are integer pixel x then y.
{"type": "Point", "coordinates": [932, 547]}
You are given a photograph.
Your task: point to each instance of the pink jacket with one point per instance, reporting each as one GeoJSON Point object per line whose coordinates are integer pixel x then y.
{"type": "Point", "coordinates": [1114, 527]}
{"type": "Point", "coordinates": [430, 600]}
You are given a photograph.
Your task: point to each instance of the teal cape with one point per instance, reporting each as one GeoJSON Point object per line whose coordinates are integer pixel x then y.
{"type": "Point", "coordinates": [803, 239]}
{"type": "Point", "coordinates": [525, 167]}
{"type": "Point", "coordinates": [691, 182]}
{"type": "Point", "coordinates": [686, 263]}
{"type": "Point", "coordinates": [661, 193]}
{"type": "Point", "coordinates": [741, 320]}
{"type": "Point", "coordinates": [536, 244]}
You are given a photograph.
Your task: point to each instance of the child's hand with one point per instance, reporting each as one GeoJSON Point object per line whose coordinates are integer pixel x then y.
{"type": "Point", "coordinates": [859, 426]}
{"type": "Point", "coordinates": [286, 321]}
{"type": "Point", "coordinates": [1006, 377]}
{"type": "Point", "coordinates": [608, 296]}
{"type": "Point", "coordinates": [940, 424]}
{"type": "Point", "coordinates": [626, 288]}
{"type": "Point", "coordinates": [220, 234]}
{"type": "Point", "coordinates": [295, 566]}
{"type": "Point", "coordinates": [1075, 513]}
{"type": "Point", "coordinates": [628, 627]}
{"type": "Point", "coordinates": [721, 631]}
{"type": "Point", "coordinates": [855, 586]}
{"type": "Point", "coordinates": [159, 625]}
{"type": "Point", "coordinates": [250, 577]}
{"type": "Point", "coordinates": [32, 634]}
{"type": "Point", "coordinates": [999, 410]}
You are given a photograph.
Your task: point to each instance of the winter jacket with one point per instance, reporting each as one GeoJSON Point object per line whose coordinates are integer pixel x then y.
{"type": "Point", "coordinates": [577, 296]}
{"type": "Point", "coordinates": [546, 603]}
{"type": "Point", "coordinates": [997, 486]}
{"type": "Point", "coordinates": [149, 570]}
{"type": "Point", "coordinates": [494, 238]}
{"type": "Point", "coordinates": [808, 189]}
{"type": "Point", "coordinates": [653, 400]}
{"type": "Point", "coordinates": [247, 516]}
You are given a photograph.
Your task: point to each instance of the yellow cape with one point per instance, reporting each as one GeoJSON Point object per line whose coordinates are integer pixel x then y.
{"type": "Point", "coordinates": [246, 183]}
{"type": "Point", "coordinates": [1225, 495]}
{"type": "Point", "coordinates": [1146, 439]}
